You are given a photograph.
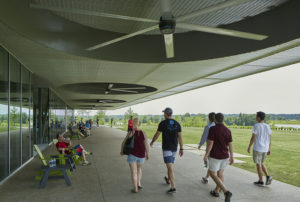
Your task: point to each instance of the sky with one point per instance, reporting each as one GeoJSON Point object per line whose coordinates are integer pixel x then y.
{"type": "Point", "coordinates": [275, 91]}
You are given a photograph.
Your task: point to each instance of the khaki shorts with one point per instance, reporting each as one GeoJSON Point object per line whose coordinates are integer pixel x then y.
{"type": "Point", "coordinates": [259, 157]}
{"type": "Point", "coordinates": [215, 165]}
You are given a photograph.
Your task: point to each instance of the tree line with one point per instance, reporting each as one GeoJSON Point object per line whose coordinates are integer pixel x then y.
{"type": "Point", "coordinates": [189, 120]}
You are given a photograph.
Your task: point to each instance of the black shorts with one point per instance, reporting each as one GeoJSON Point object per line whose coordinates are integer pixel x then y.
{"type": "Point", "coordinates": [130, 129]}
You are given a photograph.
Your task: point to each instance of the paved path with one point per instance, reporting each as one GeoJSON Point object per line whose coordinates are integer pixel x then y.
{"type": "Point", "coordinates": [108, 179]}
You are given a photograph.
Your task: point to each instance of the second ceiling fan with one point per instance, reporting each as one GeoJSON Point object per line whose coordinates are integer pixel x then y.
{"type": "Point", "coordinates": [166, 23]}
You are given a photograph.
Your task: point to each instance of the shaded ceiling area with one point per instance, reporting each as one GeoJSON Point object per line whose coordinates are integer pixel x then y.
{"type": "Point", "coordinates": [52, 45]}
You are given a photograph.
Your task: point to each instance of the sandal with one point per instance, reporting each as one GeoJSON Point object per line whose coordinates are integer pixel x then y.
{"type": "Point", "coordinates": [214, 194]}
{"type": "Point", "coordinates": [140, 187]}
{"type": "Point", "coordinates": [133, 191]}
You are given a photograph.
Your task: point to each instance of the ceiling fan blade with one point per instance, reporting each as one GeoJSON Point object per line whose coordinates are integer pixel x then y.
{"type": "Point", "coordinates": [221, 31]}
{"type": "Point", "coordinates": [169, 45]}
{"type": "Point", "coordinates": [133, 88]}
{"type": "Point", "coordinates": [122, 38]}
{"type": "Point", "coordinates": [127, 91]}
{"type": "Point", "coordinates": [92, 13]}
{"type": "Point", "coordinates": [210, 9]}
{"type": "Point", "coordinates": [110, 86]}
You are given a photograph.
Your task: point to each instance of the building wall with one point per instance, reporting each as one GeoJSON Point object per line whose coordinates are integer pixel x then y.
{"type": "Point", "coordinates": [28, 115]}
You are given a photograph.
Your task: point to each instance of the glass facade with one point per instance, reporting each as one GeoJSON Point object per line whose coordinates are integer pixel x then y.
{"type": "Point", "coordinates": [4, 92]}
{"type": "Point", "coordinates": [28, 115]}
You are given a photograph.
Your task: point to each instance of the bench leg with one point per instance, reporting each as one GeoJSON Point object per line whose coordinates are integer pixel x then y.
{"type": "Point", "coordinates": [67, 179]}
{"type": "Point", "coordinates": [44, 179]}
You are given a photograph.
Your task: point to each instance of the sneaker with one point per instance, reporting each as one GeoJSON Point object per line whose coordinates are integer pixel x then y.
{"type": "Point", "coordinates": [228, 196]}
{"type": "Point", "coordinates": [204, 180]}
{"type": "Point", "coordinates": [259, 183]}
{"type": "Point", "coordinates": [86, 163]}
{"type": "Point", "coordinates": [167, 180]}
{"type": "Point", "coordinates": [89, 153]}
{"type": "Point", "coordinates": [171, 191]}
{"type": "Point", "coordinates": [269, 180]}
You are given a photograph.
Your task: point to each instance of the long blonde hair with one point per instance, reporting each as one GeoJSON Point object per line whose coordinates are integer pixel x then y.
{"type": "Point", "coordinates": [137, 122]}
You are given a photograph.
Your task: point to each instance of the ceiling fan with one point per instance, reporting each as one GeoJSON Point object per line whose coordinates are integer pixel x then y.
{"type": "Point", "coordinates": [166, 23]}
{"type": "Point", "coordinates": [131, 90]}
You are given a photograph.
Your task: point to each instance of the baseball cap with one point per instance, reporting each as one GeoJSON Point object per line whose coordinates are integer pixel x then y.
{"type": "Point", "coordinates": [168, 110]}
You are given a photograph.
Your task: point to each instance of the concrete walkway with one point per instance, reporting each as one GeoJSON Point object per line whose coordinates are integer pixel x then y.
{"type": "Point", "coordinates": [108, 179]}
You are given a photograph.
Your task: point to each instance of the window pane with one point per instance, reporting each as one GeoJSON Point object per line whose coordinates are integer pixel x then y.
{"type": "Point", "coordinates": [14, 114]}
{"type": "Point", "coordinates": [3, 113]}
{"type": "Point", "coordinates": [25, 114]}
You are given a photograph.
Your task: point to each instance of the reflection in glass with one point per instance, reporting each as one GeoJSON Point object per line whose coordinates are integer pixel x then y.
{"type": "Point", "coordinates": [25, 114]}
{"type": "Point", "coordinates": [15, 112]}
{"type": "Point", "coordinates": [4, 114]}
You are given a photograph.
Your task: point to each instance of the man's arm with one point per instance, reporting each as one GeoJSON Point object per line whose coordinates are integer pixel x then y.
{"type": "Point", "coordinates": [155, 137]}
{"type": "Point", "coordinates": [209, 148]}
{"type": "Point", "coordinates": [231, 153]}
{"type": "Point", "coordinates": [180, 143]}
{"type": "Point", "coordinates": [251, 142]}
{"type": "Point", "coordinates": [204, 137]}
{"type": "Point", "coordinates": [146, 145]}
{"type": "Point", "coordinates": [269, 152]}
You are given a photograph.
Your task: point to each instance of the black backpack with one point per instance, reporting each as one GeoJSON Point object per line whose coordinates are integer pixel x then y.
{"type": "Point", "coordinates": [129, 144]}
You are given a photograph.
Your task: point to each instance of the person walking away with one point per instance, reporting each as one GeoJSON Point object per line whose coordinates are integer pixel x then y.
{"type": "Point", "coordinates": [138, 154]}
{"type": "Point", "coordinates": [220, 140]}
{"type": "Point", "coordinates": [204, 139]}
{"type": "Point", "coordinates": [261, 138]}
{"type": "Point", "coordinates": [130, 124]}
{"type": "Point", "coordinates": [171, 134]}
{"type": "Point", "coordinates": [111, 122]}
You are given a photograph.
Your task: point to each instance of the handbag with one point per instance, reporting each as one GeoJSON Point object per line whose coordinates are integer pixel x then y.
{"type": "Point", "coordinates": [129, 144]}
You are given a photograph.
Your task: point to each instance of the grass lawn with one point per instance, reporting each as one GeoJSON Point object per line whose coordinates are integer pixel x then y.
{"type": "Point", "coordinates": [283, 163]}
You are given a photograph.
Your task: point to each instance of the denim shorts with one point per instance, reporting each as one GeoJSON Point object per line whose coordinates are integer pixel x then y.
{"type": "Point", "coordinates": [169, 156]}
{"type": "Point", "coordinates": [133, 159]}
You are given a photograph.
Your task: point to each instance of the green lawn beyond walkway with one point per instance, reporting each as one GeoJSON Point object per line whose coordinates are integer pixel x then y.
{"type": "Point", "coordinates": [283, 163]}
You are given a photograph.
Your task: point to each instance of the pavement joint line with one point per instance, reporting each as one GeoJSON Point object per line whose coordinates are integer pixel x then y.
{"type": "Point", "coordinates": [99, 180]}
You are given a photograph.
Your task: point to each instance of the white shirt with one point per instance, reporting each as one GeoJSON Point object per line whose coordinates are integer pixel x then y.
{"type": "Point", "coordinates": [205, 134]}
{"type": "Point", "coordinates": [262, 141]}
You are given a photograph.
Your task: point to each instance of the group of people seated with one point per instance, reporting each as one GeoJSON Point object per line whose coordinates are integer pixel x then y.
{"type": "Point", "coordinates": [83, 129]}
{"type": "Point", "coordinates": [64, 144]}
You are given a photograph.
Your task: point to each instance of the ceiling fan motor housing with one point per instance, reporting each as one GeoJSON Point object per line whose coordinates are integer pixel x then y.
{"type": "Point", "coordinates": [167, 24]}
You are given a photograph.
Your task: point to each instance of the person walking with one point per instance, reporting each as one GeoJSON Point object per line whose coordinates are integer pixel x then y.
{"type": "Point", "coordinates": [171, 134]}
{"type": "Point", "coordinates": [261, 138]}
{"type": "Point", "coordinates": [138, 154]}
{"type": "Point", "coordinates": [130, 124]}
{"type": "Point", "coordinates": [204, 138]}
{"type": "Point", "coordinates": [220, 140]}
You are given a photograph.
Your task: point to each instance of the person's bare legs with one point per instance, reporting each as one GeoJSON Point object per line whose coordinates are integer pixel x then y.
{"type": "Point", "coordinates": [218, 181]}
{"type": "Point", "coordinates": [133, 170]}
{"type": "Point", "coordinates": [207, 174]}
{"type": "Point", "coordinates": [265, 170]}
{"type": "Point", "coordinates": [139, 174]}
{"type": "Point", "coordinates": [259, 172]}
{"type": "Point", "coordinates": [171, 174]}
{"type": "Point", "coordinates": [220, 174]}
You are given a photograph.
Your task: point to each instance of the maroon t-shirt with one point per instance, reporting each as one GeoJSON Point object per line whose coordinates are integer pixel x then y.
{"type": "Point", "coordinates": [139, 148]}
{"type": "Point", "coordinates": [221, 136]}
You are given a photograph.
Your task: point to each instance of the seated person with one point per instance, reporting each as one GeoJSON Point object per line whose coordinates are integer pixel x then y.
{"type": "Point", "coordinates": [88, 128]}
{"type": "Point", "coordinates": [82, 129]}
{"type": "Point", "coordinates": [70, 128]}
{"type": "Point", "coordinates": [64, 145]}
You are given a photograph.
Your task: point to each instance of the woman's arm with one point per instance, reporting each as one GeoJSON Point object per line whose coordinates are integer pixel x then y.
{"type": "Point", "coordinates": [146, 145]}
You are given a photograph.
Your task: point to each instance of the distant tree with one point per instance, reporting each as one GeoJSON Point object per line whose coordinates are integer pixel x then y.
{"type": "Point", "coordinates": [101, 116]}
{"type": "Point", "coordinates": [129, 113]}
